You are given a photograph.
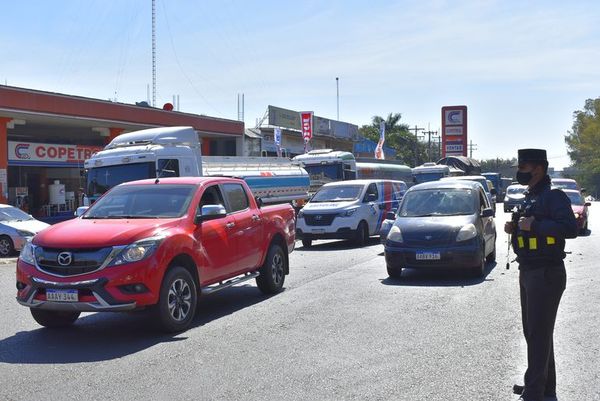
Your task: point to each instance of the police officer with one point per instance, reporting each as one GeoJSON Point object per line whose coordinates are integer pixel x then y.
{"type": "Point", "coordinates": [538, 239]}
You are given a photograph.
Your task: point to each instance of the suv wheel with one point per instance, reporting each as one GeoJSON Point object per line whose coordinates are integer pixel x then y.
{"type": "Point", "coordinates": [362, 234]}
{"type": "Point", "coordinates": [272, 272]}
{"type": "Point", "coordinates": [178, 299]}
{"type": "Point", "coordinates": [54, 319]}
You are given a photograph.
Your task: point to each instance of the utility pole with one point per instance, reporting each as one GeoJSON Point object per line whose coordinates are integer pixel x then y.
{"type": "Point", "coordinates": [472, 147]}
{"type": "Point", "coordinates": [429, 134]}
{"type": "Point", "coordinates": [337, 88]}
{"type": "Point", "coordinates": [416, 129]}
{"type": "Point", "coordinates": [153, 53]}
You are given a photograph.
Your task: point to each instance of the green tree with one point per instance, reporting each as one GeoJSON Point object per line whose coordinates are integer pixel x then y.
{"type": "Point", "coordinates": [583, 145]}
{"type": "Point", "coordinates": [397, 137]}
{"type": "Point", "coordinates": [502, 166]}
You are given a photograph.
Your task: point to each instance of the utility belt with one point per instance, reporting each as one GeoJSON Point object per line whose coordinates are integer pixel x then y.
{"type": "Point", "coordinates": [538, 250]}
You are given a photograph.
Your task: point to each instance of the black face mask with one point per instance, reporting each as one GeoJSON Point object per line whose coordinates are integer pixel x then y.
{"type": "Point", "coordinates": [524, 178]}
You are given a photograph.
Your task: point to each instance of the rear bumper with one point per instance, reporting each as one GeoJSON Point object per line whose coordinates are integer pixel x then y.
{"type": "Point", "coordinates": [461, 256]}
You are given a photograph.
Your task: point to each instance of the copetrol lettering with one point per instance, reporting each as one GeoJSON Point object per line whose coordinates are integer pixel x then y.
{"type": "Point", "coordinates": [59, 152]}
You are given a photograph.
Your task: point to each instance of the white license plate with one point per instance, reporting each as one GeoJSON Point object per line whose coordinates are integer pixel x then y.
{"type": "Point", "coordinates": [428, 256]}
{"type": "Point", "coordinates": [318, 231]}
{"type": "Point", "coordinates": [62, 295]}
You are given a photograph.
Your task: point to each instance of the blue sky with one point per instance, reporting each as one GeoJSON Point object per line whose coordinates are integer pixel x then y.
{"type": "Point", "coordinates": [522, 67]}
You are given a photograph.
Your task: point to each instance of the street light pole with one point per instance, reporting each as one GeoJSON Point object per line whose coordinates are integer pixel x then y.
{"type": "Point", "coordinates": [337, 87]}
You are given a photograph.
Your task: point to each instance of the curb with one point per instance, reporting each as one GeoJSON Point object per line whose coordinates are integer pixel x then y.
{"type": "Point", "coordinates": [8, 261]}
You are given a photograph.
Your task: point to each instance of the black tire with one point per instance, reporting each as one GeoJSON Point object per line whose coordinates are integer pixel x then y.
{"type": "Point", "coordinates": [272, 272]}
{"type": "Point", "coordinates": [361, 235]}
{"type": "Point", "coordinates": [479, 270]}
{"type": "Point", "coordinates": [7, 248]}
{"type": "Point", "coordinates": [491, 258]}
{"type": "Point", "coordinates": [394, 272]}
{"type": "Point", "coordinates": [307, 243]}
{"type": "Point", "coordinates": [54, 319]}
{"type": "Point", "coordinates": [177, 301]}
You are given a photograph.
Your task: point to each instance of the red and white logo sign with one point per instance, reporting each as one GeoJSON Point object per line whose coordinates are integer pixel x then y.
{"type": "Point", "coordinates": [306, 121]}
{"type": "Point", "coordinates": [39, 153]}
{"type": "Point", "coordinates": [454, 131]}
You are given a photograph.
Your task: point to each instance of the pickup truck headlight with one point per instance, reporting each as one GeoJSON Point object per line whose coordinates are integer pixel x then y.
{"type": "Point", "coordinates": [466, 233]}
{"type": "Point", "coordinates": [27, 254]}
{"type": "Point", "coordinates": [395, 234]}
{"type": "Point", "coordinates": [137, 251]}
{"type": "Point", "coordinates": [25, 234]}
{"type": "Point", "coordinates": [348, 213]}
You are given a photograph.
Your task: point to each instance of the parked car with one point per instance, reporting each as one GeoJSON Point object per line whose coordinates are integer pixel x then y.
{"type": "Point", "coordinates": [351, 210]}
{"type": "Point", "coordinates": [155, 244]}
{"type": "Point", "coordinates": [489, 191]}
{"type": "Point", "coordinates": [443, 224]}
{"type": "Point", "coordinates": [580, 209]}
{"type": "Point", "coordinates": [565, 183]}
{"type": "Point", "coordinates": [16, 228]}
{"type": "Point", "coordinates": [515, 196]}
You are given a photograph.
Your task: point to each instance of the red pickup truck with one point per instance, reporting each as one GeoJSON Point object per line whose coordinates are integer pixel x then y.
{"type": "Point", "coordinates": [155, 244]}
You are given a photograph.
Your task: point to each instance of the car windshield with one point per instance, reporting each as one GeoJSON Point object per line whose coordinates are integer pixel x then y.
{"type": "Point", "coordinates": [576, 198]}
{"type": "Point", "coordinates": [565, 184]}
{"type": "Point", "coordinates": [338, 193]}
{"type": "Point", "coordinates": [142, 202]}
{"type": "Point", "coordinates": [13, 214]}
{"type": "Point", "coordinates": [438, 202]}
{"type": "Point", "coordinates": [101, 179]}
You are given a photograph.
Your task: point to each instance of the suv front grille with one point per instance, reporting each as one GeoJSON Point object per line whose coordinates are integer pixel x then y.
{"type": "Point", "coordinates": [74, 261]}
{"type": "Point", "coordinates": [319, 219]}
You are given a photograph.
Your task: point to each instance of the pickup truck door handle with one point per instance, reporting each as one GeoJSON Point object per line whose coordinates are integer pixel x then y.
{"type": "Point", "coordinates": [230, 225]}
{"type": "Point", "coordinates": [255, 218]}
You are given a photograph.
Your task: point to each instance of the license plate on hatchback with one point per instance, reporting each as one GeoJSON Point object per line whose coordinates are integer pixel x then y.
{"type": "Point", "coordinates": [428, 256]}
{"type": "Point", "coordinates": [62, 295]}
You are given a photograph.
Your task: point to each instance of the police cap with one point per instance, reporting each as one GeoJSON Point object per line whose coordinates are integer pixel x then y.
{"type": "Point", "coordinates": [537, 156]}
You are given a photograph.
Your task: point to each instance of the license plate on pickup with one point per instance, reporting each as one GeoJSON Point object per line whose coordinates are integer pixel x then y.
{"type": "Point", "coordinates": [62, 295]}
{"type": "Point", "coordinates": [428, 256]}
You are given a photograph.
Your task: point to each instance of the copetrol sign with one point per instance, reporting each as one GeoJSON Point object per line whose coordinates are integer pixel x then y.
{"type": "Point", "coordinates": [454, 131]}
{"type": "Point", "coordinates": [56, 155]}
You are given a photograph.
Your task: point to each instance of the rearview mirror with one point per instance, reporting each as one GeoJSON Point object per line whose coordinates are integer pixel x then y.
{"type": "Point", "coordinates": [390, 216]}
{"type": "Point", "coordinates": [588, 203]}
{"type": "Point", "coordinates": [210, 212]}
{"type": "Point", "coordinates": [488, 212]}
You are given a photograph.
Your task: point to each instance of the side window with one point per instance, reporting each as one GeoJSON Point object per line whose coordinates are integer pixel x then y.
{"type": "Point", "coordinates": [211, 196]}
{"type": "Point", "coordinates": [371, 190]}
{"type": "Point", "coordinates": [167, 168]}
{"type": "Point", "coordinates": [236, 197]}
{"type": "Point", "coordinates": [483, 201]}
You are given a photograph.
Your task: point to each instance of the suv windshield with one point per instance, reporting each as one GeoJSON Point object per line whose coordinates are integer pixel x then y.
{"type": "Point", "coordinates": [142, 202]}
{"type": "Point", "coordinates": [338, 193]}
{"type": "Point", "coordinates": [438, 202]}
{"type": "Point", "coordinates": [12, 213]}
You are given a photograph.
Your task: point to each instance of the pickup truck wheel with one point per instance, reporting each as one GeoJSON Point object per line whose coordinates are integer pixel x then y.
{"type": "Point", "coordinates": [54, 319]}
{"type": "Point", "coordinates": [177, 302]}
{"type": "Point", "coordinates": [272, 272]}
{"type": "Point", "coordinates": [307, 243]}
{"type": "Point", "coordinates": [6, 246]}
{"type": "Point", "coordinates": [361, 235]}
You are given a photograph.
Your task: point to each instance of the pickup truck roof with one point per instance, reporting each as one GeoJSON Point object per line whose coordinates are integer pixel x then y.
{"type": "Point", "coordinates": [180, 180]}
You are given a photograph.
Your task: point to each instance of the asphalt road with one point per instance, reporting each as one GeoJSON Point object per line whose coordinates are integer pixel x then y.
{"type": "Point", "coordinates": [341, 330]}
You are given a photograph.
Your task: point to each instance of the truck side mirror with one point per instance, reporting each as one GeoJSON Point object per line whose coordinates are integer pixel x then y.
{"type": "Point", "coordinates": [81, 210]}
{"type": "Point", "coordinates": [488, 212]}
{"type": "Point", "coordinates": [210, 212]}
{"type": "Point", "coordinates": [390, 216]}
{"type": "Point", "coordinates": [371, 197]}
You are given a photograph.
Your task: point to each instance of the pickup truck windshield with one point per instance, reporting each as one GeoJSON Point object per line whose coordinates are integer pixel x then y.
{"type": "Point", "coordinates": [143, 202]}
{"type": "Point", "coordinates": [438, 202]}
{"type": "Point", "coordinates": [101, 179]}
{"type": "Point", "coordinates": [338, 193]}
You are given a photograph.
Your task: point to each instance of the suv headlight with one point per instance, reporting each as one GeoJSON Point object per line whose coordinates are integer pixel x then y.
{"type": "Point", "coordinates": [395, 234]}
{"type": "Point", "coordinates": [25, 234]}
{"type": "Point", "coordinates": [466, 233]}
{"type": "Point", "coordinates": [300, 214]}
{"type": "Point", "coordinates": [137, 251]}
{"type": "Point", "coordinates": [27, 253]}
{"type": "Point", "coordinates": [348, 213]}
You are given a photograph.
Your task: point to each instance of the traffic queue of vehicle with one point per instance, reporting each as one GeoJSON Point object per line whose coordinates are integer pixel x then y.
{"type": "Point", "coordinates": [159, 243]}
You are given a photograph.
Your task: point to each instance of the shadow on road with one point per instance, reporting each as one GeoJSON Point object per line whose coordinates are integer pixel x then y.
{"type": "Point", "coordinates": [436, 277]}
{"type": "Point", "coordinates": [106, 336]}
{"type": "Point", "coordinates": [337, 245]}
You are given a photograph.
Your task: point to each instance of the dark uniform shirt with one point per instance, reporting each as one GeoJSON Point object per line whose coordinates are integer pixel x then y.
{"type": "Point", "coordinates": [554, 221]}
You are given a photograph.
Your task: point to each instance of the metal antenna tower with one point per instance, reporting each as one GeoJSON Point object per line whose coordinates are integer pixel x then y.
{"type": "Point", "coordinates": [153, 53]}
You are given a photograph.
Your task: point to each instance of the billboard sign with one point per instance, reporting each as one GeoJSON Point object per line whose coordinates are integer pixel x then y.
{"type": "Point", "coordinates": [454, 131]}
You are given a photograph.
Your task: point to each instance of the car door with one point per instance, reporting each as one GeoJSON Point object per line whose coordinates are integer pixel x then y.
{"type": "Point", "coordinates": [488, 225]}
{"type": "Point", "coordinates": [373, 200]}
{"type": "Point", "coordinates": [214, 238]}
{"type": "Point", "coordinates": [248, 230]}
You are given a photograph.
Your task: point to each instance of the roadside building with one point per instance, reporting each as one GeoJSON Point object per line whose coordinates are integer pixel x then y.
{"type": "Point", "coordinates": [45, 138]}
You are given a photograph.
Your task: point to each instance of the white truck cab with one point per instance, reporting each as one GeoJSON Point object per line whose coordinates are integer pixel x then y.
{"type": "Point", "coordinates": [351, 210]}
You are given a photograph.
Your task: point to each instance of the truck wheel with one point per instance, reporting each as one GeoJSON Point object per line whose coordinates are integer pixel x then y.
{"type": "Point", "coordinates": [177, 302]}
{"type": "Point", "coordinates": [54, 319]}
{"type": "Point", "coordinates": [307, 243]}
{"type": "Point", "coordinates": [394, 272]}
{"type": "Point", "coordinates": [272, 272]}
{"type": "Point", "coordinates": [361, 235]}
{"type": "Point", "coordinates": [6, 246]}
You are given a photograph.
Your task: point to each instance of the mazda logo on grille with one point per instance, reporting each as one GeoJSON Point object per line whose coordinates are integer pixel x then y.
{"type": "Point", "coordinates": [428, 237]}
{"type": "Point", "coordinates": [318, 217]}
{"type": "Point", "coordinates": [64, 258]}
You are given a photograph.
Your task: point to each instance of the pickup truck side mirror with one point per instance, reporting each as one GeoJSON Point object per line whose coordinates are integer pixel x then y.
{"type": "Point", "coordinates": [259, 201]}
{"type": "Point", "coordinates": [81, 210]}
{"type": "Point", "coordinates": [587, 204]}
{"type": "Point", "coordinates": [210, 212]}
{"type": "Point", "coordinates": [488, 212]}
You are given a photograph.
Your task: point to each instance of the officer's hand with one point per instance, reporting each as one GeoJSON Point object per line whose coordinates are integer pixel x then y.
{"type": "Point", "coordinates": [508, 227]}
{"type": "Point", "coordinates": [525, 223]}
